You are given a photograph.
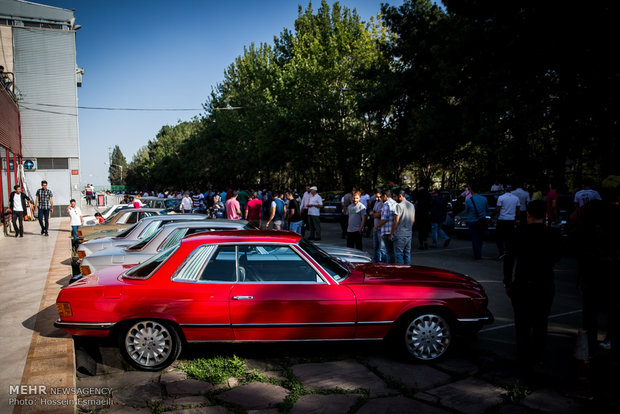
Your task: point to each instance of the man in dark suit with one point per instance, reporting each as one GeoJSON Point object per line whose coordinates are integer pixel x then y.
{"type": "Point", "coordinates": [18, 205]}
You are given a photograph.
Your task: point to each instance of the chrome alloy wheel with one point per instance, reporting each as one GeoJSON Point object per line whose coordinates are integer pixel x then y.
{"type": "Point", "coordinates": [427, 337]}
{"type": "Point", "coordinates": [148, 343]}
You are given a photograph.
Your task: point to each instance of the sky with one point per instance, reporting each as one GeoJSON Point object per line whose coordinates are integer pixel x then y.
{"type": "Point", "coordinates": [157, 54]}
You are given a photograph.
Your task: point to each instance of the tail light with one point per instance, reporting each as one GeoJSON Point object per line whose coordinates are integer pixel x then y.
{"type": "Point", "coordinates": [64, 309]}
{"type": "Point", "coordinates": [85, 270]}
{"type": "Point", "coordinates": [81, 254]}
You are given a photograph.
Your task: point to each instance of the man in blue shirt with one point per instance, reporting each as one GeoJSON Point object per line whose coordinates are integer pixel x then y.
{"type": "Point", "coordinates": [476, 210]}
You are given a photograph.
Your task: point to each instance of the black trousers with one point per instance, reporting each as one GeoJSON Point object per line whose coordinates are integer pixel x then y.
{"type": "Point", "coordinates": [18, 215]}
{"type": "Point", "coordinates": [531, 305]}
{"type": "Point", "coordinates": [354, 239]}
{"type": "Point", "coordinates": [504, 235]}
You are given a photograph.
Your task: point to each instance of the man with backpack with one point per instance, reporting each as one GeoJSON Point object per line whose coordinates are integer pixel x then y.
{"type": "Point", "coordinates": [278, 210]}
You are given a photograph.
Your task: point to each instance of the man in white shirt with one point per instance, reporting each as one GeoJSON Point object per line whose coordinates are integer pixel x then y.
{"type": "Point", "coordinates": [18, 204]}
{"type": "Point", "coordinates": [186, 204]}
{"type": "Point", "coordinates": [586, 195]}
{"type": "Point", "coordinates": [304, 210]}
{"type": "Point", "coordinates": [508, 206]}
{"type": "Point", "coordinates": [524, 198]}
{"type": "Point", "coordinates": [314, 214]}
{"type": "Point", "coordinates": [75, 219]}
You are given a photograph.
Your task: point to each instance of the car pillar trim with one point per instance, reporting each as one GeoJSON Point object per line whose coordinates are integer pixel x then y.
{"type": "Point", "coordinates": [84, 325]}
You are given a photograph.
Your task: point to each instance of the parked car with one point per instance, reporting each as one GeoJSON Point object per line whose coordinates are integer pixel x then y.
{"type": "Point", "coordinates": [347, 254]}
{"type": "Point", "coordinates": [106, 214]}
{"type": "Point", "coordinates": [332, 205]}
{"type": "Point", "coordinates": [170, 204]}
{"type": "Point", "coordinates": [460, 219]}
{"type": "Point", "coordinates": [166, 236]}
{"type": "Point", "coordinates": [119, 221]}
{"type": "Point", "coordinates": [267, 286]}
{"type": "Point", "coordinates": [139, 231]}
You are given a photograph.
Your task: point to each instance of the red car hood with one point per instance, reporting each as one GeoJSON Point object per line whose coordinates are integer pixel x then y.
{"type": "Point", "coordinates": [397, 274]}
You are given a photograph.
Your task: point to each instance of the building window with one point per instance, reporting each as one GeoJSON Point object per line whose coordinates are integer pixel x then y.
{"type": "Point", "coordinates": [53, 163]}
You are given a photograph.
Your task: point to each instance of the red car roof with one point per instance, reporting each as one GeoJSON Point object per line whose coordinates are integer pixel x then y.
{"type": "Point", "coordinates": [243, 236]}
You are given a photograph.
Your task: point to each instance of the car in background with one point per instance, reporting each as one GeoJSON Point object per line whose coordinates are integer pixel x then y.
{"type": "Point", "coordinates": [166, 236]}
{"type": "Point", "coordinates": [120, 221]}
{"type": "Point", "coordinates": [332, 205]}
{"type": "Point", "coordinates": [460, 219]}
{"type": "Point", "coordinates": [248, 286]}
{"type": "Point", "coordinates": [170, 204]}
{"type": "Point", "coordinates": [106, 214]}
{"type": "Point", "coordinates": [139, 231]}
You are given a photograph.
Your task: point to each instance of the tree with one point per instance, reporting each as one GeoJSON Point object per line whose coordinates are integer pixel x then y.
{"type": "Point", "coordinates": [117, 171]}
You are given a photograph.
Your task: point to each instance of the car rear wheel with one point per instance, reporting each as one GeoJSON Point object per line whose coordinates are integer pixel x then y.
{"type": "Point", "coordinates": [427, 336]}
{"type": "Point", "coordinates": [150, 345]}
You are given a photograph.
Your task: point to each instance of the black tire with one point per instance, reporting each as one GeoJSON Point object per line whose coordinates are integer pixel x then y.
{"type": "Point", "coordinates": [149, 345]}
{"type": "Point", "coordinates": [425, 336]}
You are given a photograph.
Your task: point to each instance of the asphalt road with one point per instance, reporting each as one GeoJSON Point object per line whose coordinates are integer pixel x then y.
{"type": "Point", "coordinates": [499, 338]}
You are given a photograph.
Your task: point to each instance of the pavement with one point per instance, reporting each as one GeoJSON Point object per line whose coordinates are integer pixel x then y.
{"type": "Point", "coordinates": [478, 376]}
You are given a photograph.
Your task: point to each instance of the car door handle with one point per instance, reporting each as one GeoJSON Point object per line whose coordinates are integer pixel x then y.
{"type": "Point", "coordinates": [242, 297]}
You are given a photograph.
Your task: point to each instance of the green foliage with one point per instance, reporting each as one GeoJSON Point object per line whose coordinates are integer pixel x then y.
{"type": "Point", "coordinates": [471, 92]}
{"type": "Point", "coordinates": [214, 370]}
{"type": "Point", "coordinates": [117, 171]}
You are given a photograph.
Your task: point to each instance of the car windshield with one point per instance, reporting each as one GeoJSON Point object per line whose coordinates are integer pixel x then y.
{"type": "Point", "coordinates": [172, 202]}
{"type": "Point", "coordinates": [125, 232]}
{"type": "Point", "coordinates": [107, 210]}
{"type": "Point", "coordinates": [150, 230]}
{"type": "Point", "coordinates": [147, 268]}
{"type": "Point", "coordinates": [336, 269]}
{"type": "Point", "coordinates": [142, 243]}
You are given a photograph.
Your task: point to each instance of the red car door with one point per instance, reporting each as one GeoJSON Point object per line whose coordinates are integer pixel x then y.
{"type": "Point", "coordinates": [280, 296]}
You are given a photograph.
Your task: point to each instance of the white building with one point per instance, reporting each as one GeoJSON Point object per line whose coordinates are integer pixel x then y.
{"type": "Point", "coordinates": [38, 50]}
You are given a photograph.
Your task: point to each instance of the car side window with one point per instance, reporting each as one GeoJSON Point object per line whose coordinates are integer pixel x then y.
{"type": "Point", "coordinates": [173, 238]}
{"type": "Point", "coordinates": [274, 264]}
{"type": "Point", "coordinates": [123, 219]}
{"type": "Point", "coordinates": [222, 266]}
{"type": "Point", "coordinates": [192, 267]}
{"type": "Point", "coordinates": [132, 218]}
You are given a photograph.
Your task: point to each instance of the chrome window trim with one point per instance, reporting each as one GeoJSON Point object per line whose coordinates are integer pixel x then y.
{"type": "Point", "coordinates": [170, 235]}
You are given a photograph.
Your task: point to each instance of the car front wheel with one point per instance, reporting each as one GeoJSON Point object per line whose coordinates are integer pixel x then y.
{"type": "Point", "coordinates": [150, 345]}
{"type": "Point", "coordinates": [427, 336]}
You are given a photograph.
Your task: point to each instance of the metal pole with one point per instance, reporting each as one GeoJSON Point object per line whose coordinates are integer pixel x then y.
{"type": "Point", "coordinates": [2, 198]}
{"type": "Point", "coordinates": [15, 168]}
{"type": "Point", "coordinates": [8, 173]}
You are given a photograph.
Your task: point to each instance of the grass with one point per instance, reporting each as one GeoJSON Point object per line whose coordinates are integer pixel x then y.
{"type": "Point", "coordinates": [214, 370]}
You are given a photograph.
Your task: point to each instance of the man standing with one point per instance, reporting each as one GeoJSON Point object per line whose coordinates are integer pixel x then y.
{"type": "Point", "coordinates": [314, 214]}
{"type": "Point", "coordinates": [293, 214]}
{"type": "Point", "coordinates": [347, 200]}
{"type": "Point", "coordinates": [508, 209]}
{"type": "Point", "coordinates": [186, 204]}
{"type": "Point", "coordinates": [45, 204]}
{"type": "Point", "coordinates": [384, 226]}
{"type": "Point", "coordinates": [243, 197]}
{"type": "Point", "coordinates": [476, 211]}
{"type": "Point", "coordinates": [76, 219]}
{"type": "Point", "coordinates": [18, 205]}
{"type": "Point", "coordinates": [377, 241]}
{"type": "Point", "coordinates": [357, 218]}
{"type": "Point", "coordinates": [586, 195]}
{"type": "Point", "coordinates": [304, 209]}
{"type": "Point", "coordinates": [278, 211]}
{"type": "Point", "coordinates": [253, 210]}
{"type": "Point", "coordinates": [402, 227]}
{"type": "Point", "coordinates": [524, 198]}
{"type": "Point", "coordinates": [233, 210]}
{"type": "Point", "coordinates": [532, 288]}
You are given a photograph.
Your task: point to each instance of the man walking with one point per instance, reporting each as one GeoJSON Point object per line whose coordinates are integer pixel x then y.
{"type": "Point", "coordinates": [404, 217]}
{"type": "Point", "coordinates": [76, 220]}
{"type": "Point", "coordinates": [384, 226]}
{"type": "Point", "coordinates": [357, 218]}
{"type": "Point", "coordinates": [314, 214]}
{"type": "Point", "coordinates": [18, 205]}
{"type": "Point", "coordinates": [508, 209]}
{"type": "Point", "coordinates": [45, 205]}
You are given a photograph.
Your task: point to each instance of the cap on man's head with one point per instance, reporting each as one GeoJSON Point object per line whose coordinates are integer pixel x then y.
{"type": "Point", "coordinates": [314, 188]}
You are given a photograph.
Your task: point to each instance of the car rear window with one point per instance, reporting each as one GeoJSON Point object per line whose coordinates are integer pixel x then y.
{"type": "Point", "coordinates": [147, 268]}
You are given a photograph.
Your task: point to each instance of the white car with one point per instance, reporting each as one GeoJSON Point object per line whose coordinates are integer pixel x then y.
{"type": "Point", "coordinates": [107, 213]}
{"type": "Point", "coordinates": [139, 231]}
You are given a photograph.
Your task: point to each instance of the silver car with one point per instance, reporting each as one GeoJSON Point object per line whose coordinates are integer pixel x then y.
{"type": "Point", "coordinates": [168, 235]}
{"type": "Point", "coordinates": [139, 231]}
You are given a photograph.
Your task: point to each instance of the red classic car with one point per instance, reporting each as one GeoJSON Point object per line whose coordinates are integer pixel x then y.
{"type": "Point", "coordinates": [267, 286]}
